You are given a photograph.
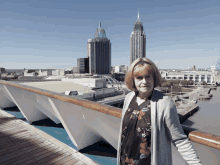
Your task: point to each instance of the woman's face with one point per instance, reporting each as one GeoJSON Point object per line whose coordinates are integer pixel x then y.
{"type": "Point", "coordinates": [144, 81]}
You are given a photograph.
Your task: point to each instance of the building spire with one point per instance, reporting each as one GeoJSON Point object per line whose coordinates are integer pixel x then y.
{"type": "Point", "coordinates": [138, 16]}
{"type": "Point", "coordinates": [100, 24]}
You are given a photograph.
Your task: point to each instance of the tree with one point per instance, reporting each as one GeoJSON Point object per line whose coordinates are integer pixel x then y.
{"type": "Point", "coordinates": [166, 84]}
{"type": "Point", "coordinates": [203, 83]}
{"type": "Point", "coordinates": [184, 82]}
{"type": "Point", "coordinates": [190, 82]}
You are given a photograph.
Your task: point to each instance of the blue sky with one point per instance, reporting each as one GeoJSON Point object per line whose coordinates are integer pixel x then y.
{"type": "Point", "coordinates": [54, 33]}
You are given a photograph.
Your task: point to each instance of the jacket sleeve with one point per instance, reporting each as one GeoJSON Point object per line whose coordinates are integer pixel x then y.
{"type": "Point", "coordinates": [179, 139]}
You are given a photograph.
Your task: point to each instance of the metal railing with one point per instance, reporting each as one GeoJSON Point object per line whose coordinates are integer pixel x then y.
{"type": "Point", "coordinates": [194, 135]}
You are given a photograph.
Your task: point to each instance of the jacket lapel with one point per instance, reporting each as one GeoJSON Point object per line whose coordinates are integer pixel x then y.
{"type": "Point", "coordinates": [128, 101]}
{"type": "Point", "coordinates": [153, 128]}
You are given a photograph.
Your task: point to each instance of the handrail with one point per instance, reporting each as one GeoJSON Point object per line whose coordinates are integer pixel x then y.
{"type": "Point", "coordinates": [201, 137]}
{"type": "Point", "coordinates": [79, 101]}
{"type": "Point", "coordinates": [193, 134]}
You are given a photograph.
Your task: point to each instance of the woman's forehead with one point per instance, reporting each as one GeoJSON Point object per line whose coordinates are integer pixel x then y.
{"type": "Point", "coordinates": [143, 70]}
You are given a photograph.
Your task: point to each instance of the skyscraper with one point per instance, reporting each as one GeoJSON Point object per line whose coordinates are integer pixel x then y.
{"type": "Point", "coordinates": [137, 41]}
{"type": "Point", "coordinates": [99, 53]}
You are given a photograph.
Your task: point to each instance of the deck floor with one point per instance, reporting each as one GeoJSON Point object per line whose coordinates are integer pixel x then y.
{"type": "Point", "coordinates": [21, 143]}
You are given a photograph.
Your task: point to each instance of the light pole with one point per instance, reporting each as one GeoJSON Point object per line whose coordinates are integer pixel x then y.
{"type": "Point", "coordinates": [171, 90]}
{"type": "Point", "coordinates": [180, 94]}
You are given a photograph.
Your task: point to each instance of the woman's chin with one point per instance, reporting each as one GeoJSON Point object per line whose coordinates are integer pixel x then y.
{"type": "Point", "coordinates": [145, 90]}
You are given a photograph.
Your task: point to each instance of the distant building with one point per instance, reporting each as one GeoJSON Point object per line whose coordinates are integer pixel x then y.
{"type": "Point", "coordinates": [83, 65]}
{"type": "Point", "coordinates": [117, 69]}
{"type": "Point", "coordinates": [75, 69]}
{"type": "Point", "coordinates": [112, 69]}
{"type": "Point", "coordinates": [137, 42]}
{"type": "Point", "coordinates": [121, 68]}
{"type": "Point", "coordinates": [29, 73]}
{"type": "Point", "coordinates": [42, 73]}
{"type": "Point", "coordinates": [213, 68]}
{"type": "Point", "coordinates": [68, 71]}
{"type": "Point", "coordinates": [99, 53]}
{"type": "Point", "coordinates": [2, 70]}
{"type": "Point", "coordinates": [119, 76]}
{"type": "Point", "coordinates": [192, 68]}
{"type": "Point", "coordinates": [49, 71]}
{"type": "Point", "coordinates": [196, 76]}
{"type": "Point", "coordinates": [58, 72]}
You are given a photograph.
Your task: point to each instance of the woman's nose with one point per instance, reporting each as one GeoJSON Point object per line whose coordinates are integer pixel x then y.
{"type": "Point", "coordinates": [144, 80]}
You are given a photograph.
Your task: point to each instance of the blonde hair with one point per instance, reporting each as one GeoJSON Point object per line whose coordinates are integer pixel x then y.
{"type": "Point", "coordinates": [129, 79]}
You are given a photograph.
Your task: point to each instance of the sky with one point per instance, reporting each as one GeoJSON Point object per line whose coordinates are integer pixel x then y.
{"type": "Point", "coordinates": [43, 34]}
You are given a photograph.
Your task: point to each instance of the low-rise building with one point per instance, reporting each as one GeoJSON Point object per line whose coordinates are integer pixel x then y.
{"type": "Point", "coordinates": [120, 68]}
{"type": "Point", "coordinates": [42, 73]}
{"type": "Point", "coordinates": [68, 71]}
{"type": "Point", "coordinates": [74, 69]}
{"type": "Point", "coordinates": [29, 73]}
{"type": "Point", "coordinates": [58, 72]}
{"type": "Point", "coordinates": [196, 76]}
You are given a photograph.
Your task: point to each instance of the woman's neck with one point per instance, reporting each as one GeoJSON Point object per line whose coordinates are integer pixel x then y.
{"type": "Point", "coordinates": [144, 96]}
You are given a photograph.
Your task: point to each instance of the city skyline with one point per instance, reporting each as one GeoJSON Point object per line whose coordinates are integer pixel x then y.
{"type": "Point", "coordinates": [53, 34]}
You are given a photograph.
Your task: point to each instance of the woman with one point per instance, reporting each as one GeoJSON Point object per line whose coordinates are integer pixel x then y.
{"type": "Point", "coordinates": [150, 121]}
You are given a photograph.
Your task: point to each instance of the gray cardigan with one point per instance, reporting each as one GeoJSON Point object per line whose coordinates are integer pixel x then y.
{"type": "Point", "coordinates": [166, 128]}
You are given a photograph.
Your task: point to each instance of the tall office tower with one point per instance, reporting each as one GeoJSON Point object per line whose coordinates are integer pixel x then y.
{"type": "Point", "coordinates": [99, 53]}
{"type": "Point", "coordinates": [137, 41]}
